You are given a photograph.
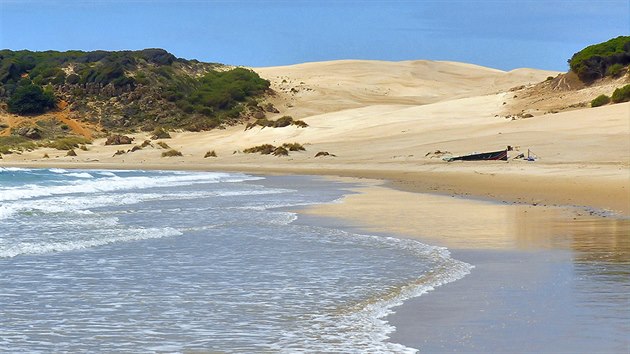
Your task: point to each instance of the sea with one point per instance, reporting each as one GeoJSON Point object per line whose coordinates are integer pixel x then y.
{"type": "Point", "coordinates": [106, 261]}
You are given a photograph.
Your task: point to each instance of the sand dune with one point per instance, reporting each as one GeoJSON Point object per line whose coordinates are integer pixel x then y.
{"type": "Point", "coordinates": [331, 86]}
{"type": "Point", "coordinates": [385, 117]}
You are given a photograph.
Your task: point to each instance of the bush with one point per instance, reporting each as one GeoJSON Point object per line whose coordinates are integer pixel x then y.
{"type": "Point", "coordinates": [621, 94]}
{"type": "Point", "coordinates": [163, 145]}
{"type": "Point", "coordinates": [171, 153]}
{"type": "Point", "coordinates": [283, 121]}
{"type": "Point", "coordinates": [219, 91]}
{"type": "Point", "coordinates": [300, 123]}
{"type": "Point", "coordinates": [280, 151]}
{"type": "Point", "coordinates": [600, 101]}
{"type": "Point", "coordinates": [160, 133]}
{"type": "Point", "coordinates": [324, 153]}
{"type": "Point", "coordinates": [73, 79]}
{"type": "Point", "coordinates": [264, 122]}
{"type": "Point", "coordinates": [294, 146]}
{"type": "Point", "coordinates": [11, 143]}
{"type": "Point", "coordinates": [67, 143]}
{"type": "Point", "coordinates": [614, 70]}
{"type": "Point", "coordinates": [264, 149]}
{"type": "Point", "coordinates": [210, 154]}
{"type": "Point", "coordinates": [279, 123]}
{"type": "Point", "coordinates": [31, 99]}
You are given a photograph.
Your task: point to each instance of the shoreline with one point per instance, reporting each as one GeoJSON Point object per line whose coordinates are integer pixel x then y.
{"type": "Point", "coordinates": [532, 264]}
{"type": "Point", "coordinates": [595, 195]}
{"type": "Point", "coordinates": [506, 237]}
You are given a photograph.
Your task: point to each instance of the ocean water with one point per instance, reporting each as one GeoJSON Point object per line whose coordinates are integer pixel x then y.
{"type": "Point", "coordinates": [165, 261]}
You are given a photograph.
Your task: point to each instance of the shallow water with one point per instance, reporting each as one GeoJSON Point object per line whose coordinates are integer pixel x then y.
{"type": "Point", "coordinates": [120, 261]}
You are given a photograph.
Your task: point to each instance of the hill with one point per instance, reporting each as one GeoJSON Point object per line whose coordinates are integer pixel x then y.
{"type": "Point", "coordinates": [126, 90]}
{"type": "Point", "coordinates": [603, 59]}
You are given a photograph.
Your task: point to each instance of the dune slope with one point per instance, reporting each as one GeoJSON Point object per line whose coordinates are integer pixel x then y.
{"type": "Point", "coordinates": [388, 119]}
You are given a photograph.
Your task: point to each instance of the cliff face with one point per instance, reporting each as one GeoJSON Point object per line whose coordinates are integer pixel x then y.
{"type": "Point", "coordinates": [127, 90]}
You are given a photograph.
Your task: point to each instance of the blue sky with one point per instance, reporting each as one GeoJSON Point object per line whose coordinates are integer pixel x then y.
{"type": "Point", "coordinates": [503, 34]}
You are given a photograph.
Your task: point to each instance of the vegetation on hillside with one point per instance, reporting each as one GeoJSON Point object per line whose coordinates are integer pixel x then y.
{"type": "Point", "coordinates": [218, 94]}
{"type": "Point", "coordinates": [31, 99]}
{"type": "Point", "coordinates": [600, 101]}
{"type": "Point", "coordinates": [603, 59]}
{"type": "Point", "coordinates": [621, 94]}
{"type": "Point", "coordinates": [129, 90]}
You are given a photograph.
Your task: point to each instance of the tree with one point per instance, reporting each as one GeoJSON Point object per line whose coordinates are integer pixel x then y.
{"type": "Point", "coordinates": [31, 99]}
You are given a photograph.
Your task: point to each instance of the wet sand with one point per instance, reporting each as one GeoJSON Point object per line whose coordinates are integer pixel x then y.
{"type": "Point", "coordinates": [546, 279]}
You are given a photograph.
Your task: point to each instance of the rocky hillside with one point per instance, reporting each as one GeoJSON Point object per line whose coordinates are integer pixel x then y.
{"type": "Point", "coordinates": [121, 91]}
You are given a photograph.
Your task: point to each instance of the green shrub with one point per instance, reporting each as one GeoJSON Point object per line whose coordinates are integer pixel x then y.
{"type": "Point", "coordinates": [11, 143]}
{"type": "Point", "coordinates": [264, 122]}
{"type": "Point", "coordinates": [67, 143]}
{"type": "Point", "coordinates": [600, 101]}
{"type": "Point", "coordinates": [614, 70]}
{"type": "Point", "coordinates": [621, 94]}
{"type": "Point", "coordinates": [171, 153]}
{"type": "Point", "coordinates": [31, 99]}
{"type": "Point", "coordinates": [73, 79]}
{"type": "Point", "coordinates": [219, 91]}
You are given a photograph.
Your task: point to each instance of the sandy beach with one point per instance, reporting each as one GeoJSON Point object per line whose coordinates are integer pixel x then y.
{"type": "Point", "coordinates": [535, 272]}
{"type": "Point", "coordinates": [533, 229]}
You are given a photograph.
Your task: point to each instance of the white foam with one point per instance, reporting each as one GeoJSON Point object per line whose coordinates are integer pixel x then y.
{"type": "Point", "coordinates": [445, 270]}
{"type": "Point", "coordinates": [7, 211]}
{"type": "Point", "coordinates": [14, 169]}
{"type": "Point", "coordinates": [133, 234]}
{"type": "Point", "coordinates": [106, 173]}
{"type": "Point", "coordinates": [80, 175]}
{"type": "Point", "coordinates": [116, 183]}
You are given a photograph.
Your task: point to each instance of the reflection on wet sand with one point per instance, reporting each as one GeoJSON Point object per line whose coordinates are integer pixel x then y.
{"type": "Point", "coordinates": [593, 238]}
{"type": "Point", "coordinates": [561, 274]}
{"type": "Point", "coordinates": [460, 223]}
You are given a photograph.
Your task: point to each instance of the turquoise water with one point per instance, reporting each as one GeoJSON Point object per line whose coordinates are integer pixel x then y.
{"type": "Point", "coordinates": [138, 261]}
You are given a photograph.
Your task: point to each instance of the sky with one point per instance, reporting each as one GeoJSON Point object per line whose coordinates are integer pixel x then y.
{"type": "Point", "coordinates": [502, 34]}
